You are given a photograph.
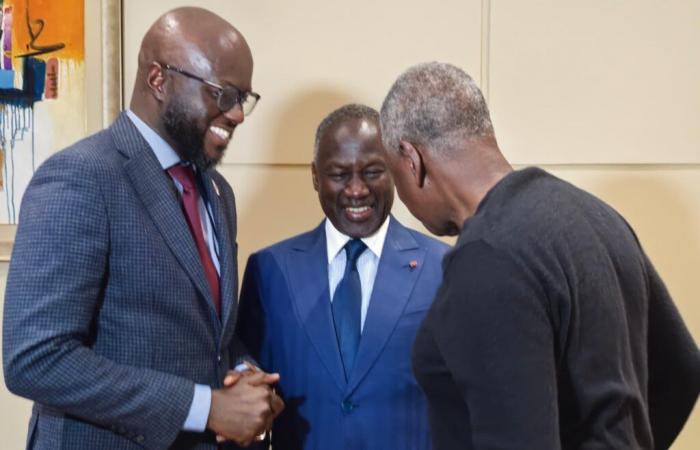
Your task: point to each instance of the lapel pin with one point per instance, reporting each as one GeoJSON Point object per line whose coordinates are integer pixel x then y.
{"type": "Point", "coordinates": [413, 264]}
{"type": "Point", "coordinates": [216, 188]}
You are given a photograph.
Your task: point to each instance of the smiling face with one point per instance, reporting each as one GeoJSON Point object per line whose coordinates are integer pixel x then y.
{"type": "Point", "coordinates": [354, 186]}
{"type": "Point", "coordinates": [199, 130]}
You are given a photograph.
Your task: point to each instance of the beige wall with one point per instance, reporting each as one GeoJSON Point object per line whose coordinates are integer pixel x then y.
{"type": "Point", "coordinates": [596, 81]}
{"type": "Point", "coordinates": [603, 94]}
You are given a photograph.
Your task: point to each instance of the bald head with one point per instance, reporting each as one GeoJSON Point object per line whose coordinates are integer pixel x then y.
{"type": "Point", "coordinates": [189, 59]}
{"type": "Point", "coordinates": [193, 38]}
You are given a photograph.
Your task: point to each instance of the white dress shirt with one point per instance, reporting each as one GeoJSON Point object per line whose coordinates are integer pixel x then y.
{"type": "Point", "coordinates": [367, 263]}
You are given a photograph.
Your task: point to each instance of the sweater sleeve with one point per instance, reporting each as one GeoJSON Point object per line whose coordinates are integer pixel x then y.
{"type": "Point", "coordinates": [494, 333]}
{"type": "Point", "coordinates": [674, 364]}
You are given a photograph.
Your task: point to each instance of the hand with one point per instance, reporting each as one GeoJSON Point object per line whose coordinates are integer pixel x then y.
{"type": "Point", "coordinates": [245, 407]}
{"type": "Point", "coordinates": [276, 404]}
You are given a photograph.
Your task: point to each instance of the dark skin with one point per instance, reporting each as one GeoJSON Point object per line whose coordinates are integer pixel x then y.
{"type": "Point", "coordinates": [443, 192]}
{"type": "Point", "coordinates": [352, 179]}
{"type": "Point", "coordinates": [253, 377]}
{"type": "Point", "coordinates": [350, 172]}
{"type": "Point", "coordinates": [204, 44]}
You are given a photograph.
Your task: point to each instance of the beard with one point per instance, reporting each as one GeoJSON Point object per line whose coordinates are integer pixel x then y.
{"type": "Point", "coordinates": [180, 124]}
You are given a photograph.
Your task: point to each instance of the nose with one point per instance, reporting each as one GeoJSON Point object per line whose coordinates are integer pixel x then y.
{"type": "Point", "coordinates": [235, 114]}
{"type": "Point", "coordinates": [356, 187]}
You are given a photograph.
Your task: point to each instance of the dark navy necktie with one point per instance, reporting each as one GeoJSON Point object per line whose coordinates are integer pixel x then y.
{"type": "Point", "coordinates": [347, 306]}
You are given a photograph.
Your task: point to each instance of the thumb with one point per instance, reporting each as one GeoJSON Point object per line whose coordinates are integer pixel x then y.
{"type": "Point", "coordinates": [231, 378]}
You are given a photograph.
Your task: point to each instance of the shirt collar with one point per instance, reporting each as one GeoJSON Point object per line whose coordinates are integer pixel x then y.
{"type": "Point", "coordinates": [167, 157]}
{"type": "Point", "coordinates": [335, 240]}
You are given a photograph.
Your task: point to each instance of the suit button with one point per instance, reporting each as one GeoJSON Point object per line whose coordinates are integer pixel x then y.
{"type": "Point", "coordinates": [140, 439]}
{"type": "Point", "coordinates": [347, 406]}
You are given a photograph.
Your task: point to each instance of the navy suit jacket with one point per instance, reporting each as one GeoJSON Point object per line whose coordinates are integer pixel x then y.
{"type": "Point", "coordinates": [109, 319]}
{"type": "Point", "coordinates": [285, 322]}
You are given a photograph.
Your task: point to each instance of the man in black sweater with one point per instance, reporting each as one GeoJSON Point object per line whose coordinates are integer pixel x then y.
{"type": "Point", "coordinates": [551, 329]}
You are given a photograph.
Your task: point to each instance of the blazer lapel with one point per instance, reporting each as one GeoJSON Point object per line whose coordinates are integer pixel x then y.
{"type": "Point", "coordinates": [307, 272]}
{"type": "Point", "coordinates": [155, 190]}
{"type": "Point", "coordinates": [227, 266]}
{"type": "Point", "coordinates": [392, 288]}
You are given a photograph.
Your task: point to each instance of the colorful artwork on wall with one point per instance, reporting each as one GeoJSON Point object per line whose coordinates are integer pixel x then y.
{"type": "Point", "coordinates": [42, 89]}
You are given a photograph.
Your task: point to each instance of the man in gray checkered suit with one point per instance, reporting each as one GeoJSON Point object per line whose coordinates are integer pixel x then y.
{"type": "Point", "coordinates": [121, 297]}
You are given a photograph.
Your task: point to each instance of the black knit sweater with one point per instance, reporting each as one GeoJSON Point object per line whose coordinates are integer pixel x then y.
{"type": "Point", "coordinates": [553, 330]}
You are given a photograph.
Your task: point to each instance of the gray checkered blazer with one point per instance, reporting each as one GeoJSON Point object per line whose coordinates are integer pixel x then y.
{"type": "Point", "coordinates": [108, 318]}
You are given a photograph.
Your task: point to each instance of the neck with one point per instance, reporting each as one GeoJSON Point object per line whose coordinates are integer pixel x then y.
{"type": "Point", "coordinates": [151, 118]}
{"type": "Point", "coordinates": [468, 179]}
{"type": "Point", "coordinates": [142, 109]}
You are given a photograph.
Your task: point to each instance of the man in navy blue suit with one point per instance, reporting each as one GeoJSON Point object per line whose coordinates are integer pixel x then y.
{"type": "Point", "coordinates": [121, 296]}
{"type": "Point", "coordinates": [335, 310]}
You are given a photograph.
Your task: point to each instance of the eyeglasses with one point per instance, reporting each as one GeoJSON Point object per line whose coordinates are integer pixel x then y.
{"type": "Point", "coordinates": [226, 97]}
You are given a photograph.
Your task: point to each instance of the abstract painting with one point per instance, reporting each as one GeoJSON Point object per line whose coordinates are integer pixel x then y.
{"type": "Point", "coordinates": [42, 89]}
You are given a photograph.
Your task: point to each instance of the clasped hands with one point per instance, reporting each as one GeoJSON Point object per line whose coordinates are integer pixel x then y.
{"type": "Point", "coordinates": [245, 407]}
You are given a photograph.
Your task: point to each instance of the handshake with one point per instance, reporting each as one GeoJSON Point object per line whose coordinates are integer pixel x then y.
{"type": "Point", "coordinates": [243, 410]}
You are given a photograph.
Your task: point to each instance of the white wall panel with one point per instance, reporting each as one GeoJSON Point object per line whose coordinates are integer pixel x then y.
{"type": "Point", "coordinates": [598, 81]}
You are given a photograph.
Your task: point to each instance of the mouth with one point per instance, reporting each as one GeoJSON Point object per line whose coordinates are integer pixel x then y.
{"type": "Point", "coordinates": [221, 134]}
{"type": "Point", "coordinates": [358, 213]}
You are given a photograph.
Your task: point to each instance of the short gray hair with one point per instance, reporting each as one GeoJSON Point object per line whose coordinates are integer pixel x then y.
{"type": "Point", "coordinates": [350, 111]}
{"type": "Point", "coordinates": [434, 104]}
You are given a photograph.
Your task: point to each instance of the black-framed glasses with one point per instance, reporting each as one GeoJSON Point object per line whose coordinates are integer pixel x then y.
{"type": "Point", "coordinates": [226, 97]}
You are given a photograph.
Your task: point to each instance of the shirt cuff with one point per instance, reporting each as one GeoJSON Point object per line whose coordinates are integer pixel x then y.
{"type": "Point", "coordinates": [240, 368]}
{"type": "Point", "coordinates": [199, 411]}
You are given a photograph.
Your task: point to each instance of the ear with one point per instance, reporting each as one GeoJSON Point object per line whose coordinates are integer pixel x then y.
{"type": "Point", "coordinates": [155, 78]}
{"type": "Point", "coordinates": [314, 176]}
{"type": "Point", "coordinates": [412, 157]}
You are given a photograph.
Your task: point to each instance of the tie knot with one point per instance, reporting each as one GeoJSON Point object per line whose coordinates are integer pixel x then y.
{"type": "Point", "coordinates": [353, 250]}
{"type": "Point", "coordinates": [184, 175]}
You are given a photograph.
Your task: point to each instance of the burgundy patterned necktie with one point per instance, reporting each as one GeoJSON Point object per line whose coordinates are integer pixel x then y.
{"type": "Point", "coordinates": [190, 199]}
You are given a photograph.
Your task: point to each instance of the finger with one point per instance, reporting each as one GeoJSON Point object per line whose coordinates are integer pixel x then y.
{"type": "Point", "coordinates": [274, 405]}
{"type": "Point", "coordinates": [260, 378]}
{"type": "Point", "coordinates": [269, 419]}
{"type": "Point", "coordinates": [231, 378]}
{"type": "Point", "coordinates": [272, 378]}
{"type": "Point", "coordinates": [256, 379]}
{"type": "Point", "coordinates": [251, 367]}
{"type": "Point", "coordinates": [268, 427]}
{"type": "Point", "coordinates": [277, 405]}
